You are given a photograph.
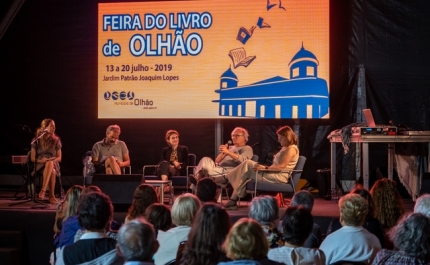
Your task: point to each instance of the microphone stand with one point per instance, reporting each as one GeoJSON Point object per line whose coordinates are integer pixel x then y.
{"type": "Point", "coordinates": [37, 204]}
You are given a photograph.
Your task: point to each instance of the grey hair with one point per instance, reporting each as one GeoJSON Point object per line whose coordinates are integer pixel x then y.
{"type": "Point", "coordinates": [412, 235]}
{"type": "Point", "coordinates": [422, 205]}
{"type": "Point", "coordinates": [303, 198]}
{"type": "Point", "coordinates": [242, 130]}
{"type": "Point", "coordinates": [113, 127]}
{"type": "Point", "coordinates": [264, 210]}
{"type": "Point", "coordinates": [136, 240]}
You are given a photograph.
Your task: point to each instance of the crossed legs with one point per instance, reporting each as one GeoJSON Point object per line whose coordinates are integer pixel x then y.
{"type": "Point", "coordinates": [111, 166]}
{"type": "Point", "coordinates": [49, 175]}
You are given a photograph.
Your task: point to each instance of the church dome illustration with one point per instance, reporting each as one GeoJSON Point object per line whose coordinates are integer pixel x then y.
{"type": "Point", "coordinates": [228, 79]}
{"type": "Point", "coordinates": [304, 95]}
{"type": "Point", "coordinates": [303, 64]}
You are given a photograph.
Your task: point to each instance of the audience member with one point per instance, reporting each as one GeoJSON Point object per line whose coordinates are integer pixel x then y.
{"type": "Point", "coordinates": [352, 242]}
{"type": "Point", "coordinates": [371, 223]}
{"type": "Point", "coordinates": [174, 158]}
{"type": "Point", "coordinates": [144, 196]}
{"type": "Point", "coordinates": [285, 159]}
{"type": "Point", "coordinates": [94, 214]}
{"type": "Point", "coordinates": [245, 244]}
{"type": "Point", "coordinates": [207, 234]}
{"type": "Point", "coordinates": [411, 238]}
{"type": "Point", "coordinates": [46, 154]}
{"type": "Point", "coordinates": [69, 210]}
{"type": "Point", "coordinates": [206, 190]}
{"type": "Point", "coordinates": [265, 211]}
{"type": "Point", "coordinates": [230, 156]}
{"type": "Point", "coordinates": [159, 216]}
{"type": "Point", "coordinates": [110, 154]}
{"type": "Point", "coordinates": [137, 242]}
{"type": "Point", "coordinates": [422, 205]}
{"type": "Point", "coordinates": [184, 209]}
{"type": "Point", "coordinates": [297, 226]}
{"type": "Point", "coordinates": [388, 202]}
{"type": "Point", "coordinates": [305, 199]}
{"type": "Point", "coordinates": [91, 188]}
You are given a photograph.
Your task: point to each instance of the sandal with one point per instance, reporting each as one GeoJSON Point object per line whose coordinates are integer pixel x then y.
{"type": "Point", "coordinates": [231, 205]}
{"type": "Point", "coordinates": [192, 179]}
{"type": "Point", "coordinates": [53, 200]}
{"type": "Point", "coordinates": [42, 194]}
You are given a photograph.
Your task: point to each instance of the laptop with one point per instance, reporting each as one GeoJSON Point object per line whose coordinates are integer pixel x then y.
{"type": "Point", "coordinates": [369, 118]}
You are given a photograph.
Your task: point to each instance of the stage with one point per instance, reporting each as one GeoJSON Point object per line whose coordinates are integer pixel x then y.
{"type": "Point", "coordinates": [36, 225]}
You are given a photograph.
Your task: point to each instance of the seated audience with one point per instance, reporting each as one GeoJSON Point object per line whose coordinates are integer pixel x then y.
{"type": "Point", "coordinates": [174, 158]}
{"type": "Point", "coordinates": [144, 196]}
{"type": "Point", "coordinates": [285, 159]}
{"type": "Point", "coordinates": [95, 212]}
{"type": "Point", "coordinates": [297, 226]}
{"type": "Point", "coordinates": [388, 203]}
{"type": "Point", "coordinates": [137, 242]}
{"type": "Point", "coordinates": [110, 154]}
{"type": "Point", "coordinates": [352, 242]}
{"type": "Point", "coordinates": [305, 199]}
{"type": "Point", "coordinates": [371, 224]}
{"type": "Point", "coordinates": [159, 216]}
{"type": "Point", "coordinates": [184, 209]}
{"type": "Point", "coordinates": [411, 238]}
{"type": "Point", "coordinates": [265, 211]}
{"type": "Point", "coordinates": [422, 205]}
{"type": "Point", "coordinates": [230, 156]}
{"type": "Point", "coordinates": [206, 190]}
{"type": "Point", "coordinates": [201, 249]}
{"type": "Point", "coordinates": [245, 244]}
{"type": "Point", "coordinates": [70, 224]}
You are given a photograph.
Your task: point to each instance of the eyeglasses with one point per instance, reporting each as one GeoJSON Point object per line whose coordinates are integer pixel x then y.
{"type": "Point", "coordinates": [236, 135]}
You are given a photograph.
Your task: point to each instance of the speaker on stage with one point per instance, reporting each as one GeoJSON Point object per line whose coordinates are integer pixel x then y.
{"type": "Point", "coordinates": [120, 188]}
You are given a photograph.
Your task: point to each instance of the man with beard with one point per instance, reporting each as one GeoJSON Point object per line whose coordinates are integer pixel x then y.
{"type": "Point", "coordinates": [110, 154]}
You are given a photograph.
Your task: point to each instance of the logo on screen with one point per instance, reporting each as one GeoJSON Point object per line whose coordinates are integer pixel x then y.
{"type": "Point", "coordinates": [122, 95]}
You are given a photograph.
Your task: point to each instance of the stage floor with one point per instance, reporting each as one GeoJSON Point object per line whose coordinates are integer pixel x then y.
{"type": "Point", "coordinates": [36, 225]}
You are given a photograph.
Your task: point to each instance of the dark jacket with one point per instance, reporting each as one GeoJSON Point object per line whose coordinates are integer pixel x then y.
{"type": "Point", "coordinates": [182, 152]}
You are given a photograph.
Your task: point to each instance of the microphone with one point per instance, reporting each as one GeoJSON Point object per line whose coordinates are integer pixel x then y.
{"type": "Point", "coordinates": [229, 143]}
{"type": "Point", "coordinates": [46, 130]}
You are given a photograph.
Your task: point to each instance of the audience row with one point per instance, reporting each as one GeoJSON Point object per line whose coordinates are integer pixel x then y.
{"type": "Point", "coordinates": [198, 231]}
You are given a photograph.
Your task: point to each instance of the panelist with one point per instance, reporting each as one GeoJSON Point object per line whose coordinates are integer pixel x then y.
{"type": "Point", "coordinates": [110, 154]}
{"type": "Point", "coordinates": [285, 159]}
{"type": "Point", "coordinates": [46, 153]}
{"type": "Point", "coordinates": [230, 156]}
{"type": "Point", "coordinates": [174, 157]}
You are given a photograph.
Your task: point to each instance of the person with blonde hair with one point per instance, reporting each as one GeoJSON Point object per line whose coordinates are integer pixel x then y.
{"type": "Point", "coordinates": [388, 202]}
{"type": "Point", "coordinates": [144, 196]}
{"type": "Point", "coordinates": [285, 159]}
{"type": "Point", "coordinates": [184, 209]}
{"type": "Point", "coordinates": [110, 154]}
{"type": "Point", "coordinates": [229, 157]}
{"type": "Point", "coordinates": [46, 154]}
{"type": "Point", "coordinates": [67, 211]}
{"type": "Point", "coordinates": [246, 244]}
{"type": "Point", "coordinates": [174, 158]}
{"type": "Point", "coordinates": [352, 242]}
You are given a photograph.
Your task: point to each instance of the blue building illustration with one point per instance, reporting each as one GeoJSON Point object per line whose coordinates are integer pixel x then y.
{"type": "Point", "coordinates": [303, 96]}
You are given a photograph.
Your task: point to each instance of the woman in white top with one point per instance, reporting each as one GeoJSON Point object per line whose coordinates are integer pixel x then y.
{"type": "Point", "coordinates": [285, 159]}
{"type": "Point", "coordinates": [184, 209]}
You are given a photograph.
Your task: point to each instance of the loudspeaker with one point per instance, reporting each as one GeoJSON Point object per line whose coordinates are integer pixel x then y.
{"type": "Point", "coordinates": [120, 188]}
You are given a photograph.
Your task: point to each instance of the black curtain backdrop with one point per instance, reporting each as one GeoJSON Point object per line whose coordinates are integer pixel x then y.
{"type": "Point", "coordinates": [48, 69]}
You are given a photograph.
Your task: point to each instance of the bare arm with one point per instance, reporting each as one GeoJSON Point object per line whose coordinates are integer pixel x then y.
{"type": "Point", "coordinates": [285, 160]}
{"type": "Point", "coordinates": [126, 161]}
